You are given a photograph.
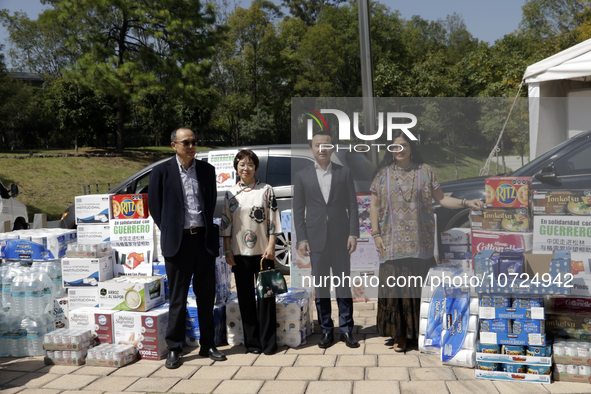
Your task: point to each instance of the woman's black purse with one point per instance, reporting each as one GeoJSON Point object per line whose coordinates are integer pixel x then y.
{"type": "Point", "coordinates": [270, 282]}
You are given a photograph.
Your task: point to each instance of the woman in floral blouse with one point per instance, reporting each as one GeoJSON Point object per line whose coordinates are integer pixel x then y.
{"type": "Point", "coordinates": [250, 224]}
{"type": "Point", "coordinates": [403, 227]}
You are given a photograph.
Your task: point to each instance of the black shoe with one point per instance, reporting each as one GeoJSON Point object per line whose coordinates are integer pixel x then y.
{"type": "Point", "coordinates": [213, 353]}
{"type": "Point", "coordinates": [174, 359]}
{"type": "Point", "coordinates": [349, 340]}
{"type": "Point", "coordinates": [254, 351]}
{"type": "Point", "coordinates": [326, 340]}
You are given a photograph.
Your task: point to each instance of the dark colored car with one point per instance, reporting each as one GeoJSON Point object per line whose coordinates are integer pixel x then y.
{"type": "Point", "coordinates": [567, 166]}
{"type": "Point", "coordinates": [277, 164]}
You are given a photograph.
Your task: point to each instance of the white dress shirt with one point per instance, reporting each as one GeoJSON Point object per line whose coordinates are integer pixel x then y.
{"type": "Point", "coordinates": [324, 179]}
{"type": "Point", "coordinates": [191, 197]}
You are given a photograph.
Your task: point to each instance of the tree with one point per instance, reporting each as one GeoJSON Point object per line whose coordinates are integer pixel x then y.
{"type": "Point", "coordinates": [309, 10]}
{"type": "Point", "coordinates": [131, 48]}
{"type": "Point", "coordinates": [40, 45]}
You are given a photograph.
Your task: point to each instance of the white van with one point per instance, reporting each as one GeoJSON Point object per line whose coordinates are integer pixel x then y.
{"type": "Point", "coordinates": [11, 209]}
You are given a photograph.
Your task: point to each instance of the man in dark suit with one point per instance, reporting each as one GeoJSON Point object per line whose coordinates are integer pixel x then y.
{"type": "Point", "coordinates": [182, 195]}
{"type": "Point", "coordinates": [327, 227]}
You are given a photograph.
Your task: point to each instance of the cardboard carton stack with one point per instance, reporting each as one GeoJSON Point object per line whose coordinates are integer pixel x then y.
{"type": "Point", "coordinates": [456, 249]}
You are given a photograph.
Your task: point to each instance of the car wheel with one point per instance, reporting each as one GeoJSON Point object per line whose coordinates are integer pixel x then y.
{"type": "Point", "coordinates": [283, 252]}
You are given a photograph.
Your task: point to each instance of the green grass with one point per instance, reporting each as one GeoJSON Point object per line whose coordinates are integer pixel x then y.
{"type": "Point", "coordinates": [49, 184]}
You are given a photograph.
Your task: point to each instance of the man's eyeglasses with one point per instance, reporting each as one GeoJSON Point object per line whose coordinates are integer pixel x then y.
{"type": "Point", "coordinates": [186, 143]}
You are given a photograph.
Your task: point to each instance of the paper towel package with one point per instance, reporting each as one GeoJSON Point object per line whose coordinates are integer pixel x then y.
{"type": "Point", "coordinates": [90, 234]}
{"type": "Point", "coordinates": [144, 330]}
{"type": "Point", "coordinates": [99, 322]}
{"type": "Point", "coordinates": [86, 272]}
{"type": "Point", "coordinates": [40, 244]}
{"type": "Point", "coordinates": [92, 208]}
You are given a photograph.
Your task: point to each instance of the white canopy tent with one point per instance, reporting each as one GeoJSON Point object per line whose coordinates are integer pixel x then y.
{"type": "Point", "coordinates": [559, 90]}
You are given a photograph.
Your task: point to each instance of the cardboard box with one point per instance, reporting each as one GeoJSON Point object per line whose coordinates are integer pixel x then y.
{"type": "Point", "coordinates": [129, 206]}
{"type": "Point", "coordinates": [571, 360]}
{"type": "Point", "coordinates": [456, 236]}
{"type": "Point", "coordinates": [99, 322]}
{"type": "Point", "coordinates": [63, 361]}
{"type": "Point", "coordinates": [499, 241]}
{"type": "Point", "coordinates": [561, 202]}
{"type": "Point", "coordinates": [560, 232]}
{"type": "Point", "coordinates": [495, 338]}
{"type": "Point", "coordinates": [507, 192]}
{"type": "Point", "coordinates": [456, 248]}
{"type": "Point", "coordinates": [112, 363]}
{"type": "Point", "coordinates": [92, 208]}
{"type": "Point", "coordinates": [513, 377]}
{"type": "Point", "coordinates": [518, 360]}
{"type": "Point", "coordinates": [81, 297]}
{"type": "Point", "coordinates": [144, 330]}
{"type": "Point", "coordinates": [366, 255]}
{"type": "Point", "coordinates": [364, 284]}
{"type": "Point", "coordinates": [486, 312]}
{"type": "Point", "coordinates": [516, 220]}
{"type": "Point", "coordinates": [569, 325]}
{"type": "Point", "coordinates": [460, 264]}
{"type": "Point", "coordinates": [131, 293]}
{"type": "Point", "coordinates": [556, 265]}
{"type": "Point", "coordinates": [91, 234]}
{"type": "Point", "coordinates": [566, 377]}
{"type": "Point", "coordinates": [78, 272]}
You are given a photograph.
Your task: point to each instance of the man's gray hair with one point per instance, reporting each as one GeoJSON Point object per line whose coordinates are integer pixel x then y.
{"type": "Point", "coordinates": [173, 134]}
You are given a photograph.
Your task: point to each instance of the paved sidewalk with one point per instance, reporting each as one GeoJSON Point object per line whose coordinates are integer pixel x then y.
{"type": "Point", "coordinates": [373, 368]}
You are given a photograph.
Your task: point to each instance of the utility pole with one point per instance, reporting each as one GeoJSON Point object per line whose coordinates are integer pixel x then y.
{"type": "Point", "coordinates": [369, 111]}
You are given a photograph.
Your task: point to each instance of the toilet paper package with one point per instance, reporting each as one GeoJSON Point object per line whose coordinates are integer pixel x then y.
{"type": "Point", "coordinates": [435, 318]}
{"type": "Point", "coordinates": [457, 343]}
{"type": "Point", "coordinates": [40, 244]}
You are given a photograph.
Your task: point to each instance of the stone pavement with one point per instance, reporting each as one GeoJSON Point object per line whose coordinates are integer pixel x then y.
{"type": "Point", "coordinates": [373, 368]}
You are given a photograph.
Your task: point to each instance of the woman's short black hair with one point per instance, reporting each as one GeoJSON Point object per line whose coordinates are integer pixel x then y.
{"type": "Point", "coordinates": [246, 153]}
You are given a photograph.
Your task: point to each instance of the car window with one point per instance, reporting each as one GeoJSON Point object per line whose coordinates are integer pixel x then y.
{"type": "Point", "coordinates": [141, 185]}
{"type": "Point", "coordinates": [279, 169]}
{"type": "Point", "coordinates": [575, 163]}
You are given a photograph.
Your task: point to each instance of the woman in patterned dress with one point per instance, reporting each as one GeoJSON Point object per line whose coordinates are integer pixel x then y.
{"type": "Point", "coordinates": [250, 224]}
{"type": "Point", "coordinates": [403, 227]}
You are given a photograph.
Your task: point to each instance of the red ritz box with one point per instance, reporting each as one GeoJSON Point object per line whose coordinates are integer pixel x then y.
{"type": "Point", "coordinates": [507, 192]}
{"type": "Point", "coordinates": [129, 206]}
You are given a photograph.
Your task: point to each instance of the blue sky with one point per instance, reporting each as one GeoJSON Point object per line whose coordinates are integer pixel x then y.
{"type": "Point", "coordinates": [486, 20]}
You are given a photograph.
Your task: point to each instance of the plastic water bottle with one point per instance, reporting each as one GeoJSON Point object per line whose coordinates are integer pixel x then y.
{"type": "Point", "coordinates": [49, 268]}
{"type": "Point", "coordinates": [56, 275]}
{"type": "Point", "coordinates": [3, 270]}
{"type": "Point", "coordinates": [35, 332]}
{"type": "Point", "coordinates": [34, 294]}
{"type": "Point", "coordinates": [18, 291]}
{"type": "Point", "coordinates": [4, 334]}
{"type": "Point", "coordinates": [47, 284]}
{"type": "Point", "coordinates": [48, 319]}
{"type": "Point", "coordinates": [7, 285]}
{"type": "Point", "coordinates": [18, 337]}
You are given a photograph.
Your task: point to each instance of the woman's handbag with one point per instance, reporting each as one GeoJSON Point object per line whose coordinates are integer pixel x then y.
{"type": "Point", "coordinates": [270, 282]}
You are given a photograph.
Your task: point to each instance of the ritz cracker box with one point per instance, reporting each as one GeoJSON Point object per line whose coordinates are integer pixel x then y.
{"type": "Point", "coordinates": [507, 192]}
{"type": "Point", "coordinates": [129, 206]}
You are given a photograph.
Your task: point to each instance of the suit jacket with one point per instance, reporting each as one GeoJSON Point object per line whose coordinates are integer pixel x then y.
{"type": "Point", "coordinates": [318, 221]}
{"type": "Point", "coordinates": [165, 198]}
